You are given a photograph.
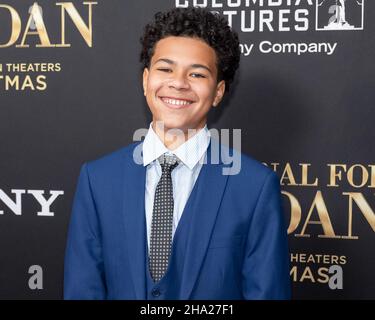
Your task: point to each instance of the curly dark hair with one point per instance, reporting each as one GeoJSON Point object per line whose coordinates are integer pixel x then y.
{"type": "Point", "coordinates": [197, 23]}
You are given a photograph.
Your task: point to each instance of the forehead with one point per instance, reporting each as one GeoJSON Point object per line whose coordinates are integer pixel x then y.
{"type": "Point", "coordinates": [185, 49]}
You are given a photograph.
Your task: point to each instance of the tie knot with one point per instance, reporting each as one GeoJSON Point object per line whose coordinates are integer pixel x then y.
{"type": "Point", "coordinates": [168, 162]}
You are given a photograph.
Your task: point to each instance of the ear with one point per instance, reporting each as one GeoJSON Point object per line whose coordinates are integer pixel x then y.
{"type": "Point", "coordinates": [220, 90]}
{"type": "Point", "coordinates": [145, 80]}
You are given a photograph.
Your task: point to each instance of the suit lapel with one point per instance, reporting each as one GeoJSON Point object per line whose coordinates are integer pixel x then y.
{"type": "Point", "coordinates": [209, 191]}
{"type": "Point", "coordinates": [135, 224]}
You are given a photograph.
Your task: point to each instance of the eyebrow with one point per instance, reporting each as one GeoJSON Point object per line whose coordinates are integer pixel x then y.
{"type": "Point", "coordinates": [194, 65]}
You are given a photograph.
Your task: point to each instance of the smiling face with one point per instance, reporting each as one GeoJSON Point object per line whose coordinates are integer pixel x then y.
{"type": "Point", "coordinates": [180, 84]}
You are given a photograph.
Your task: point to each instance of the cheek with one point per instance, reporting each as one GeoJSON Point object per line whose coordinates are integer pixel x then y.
{"type": "Point", "coordinates": [151, 87]}
{"type": "Point", "coordinates": [153, 84]}
{"type": "Point", "coordinates": [206, 94]}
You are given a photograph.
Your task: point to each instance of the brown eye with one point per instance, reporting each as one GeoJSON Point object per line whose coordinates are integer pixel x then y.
{"type": "Point", "coordinates": [164, 69]}
{"type": "Point", "coordinates": [197, 75]}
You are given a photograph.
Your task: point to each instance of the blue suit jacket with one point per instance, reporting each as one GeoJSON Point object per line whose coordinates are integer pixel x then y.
{"type": "Point", "coordinates": [231, 241]}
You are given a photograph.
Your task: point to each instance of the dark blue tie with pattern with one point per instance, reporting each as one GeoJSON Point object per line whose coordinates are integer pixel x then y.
{"type": "Point", "coordinates": [162, 219]}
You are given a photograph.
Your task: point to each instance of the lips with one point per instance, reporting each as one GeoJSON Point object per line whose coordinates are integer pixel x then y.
{"type": "Point", "coordinates": [176, 103]}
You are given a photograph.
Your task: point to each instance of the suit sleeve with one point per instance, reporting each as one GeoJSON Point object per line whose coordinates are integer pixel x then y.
{"type": "Point", "coordinates": [265, 270]}
{"type": "Point", "coordinates": [83, 269]}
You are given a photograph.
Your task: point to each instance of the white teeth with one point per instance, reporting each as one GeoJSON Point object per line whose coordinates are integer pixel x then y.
{"type": "Point", "coordinates": [176, 102]}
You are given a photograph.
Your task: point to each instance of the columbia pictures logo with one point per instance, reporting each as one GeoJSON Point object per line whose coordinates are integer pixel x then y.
{"type": "Point", "coordinates": [339, 15]}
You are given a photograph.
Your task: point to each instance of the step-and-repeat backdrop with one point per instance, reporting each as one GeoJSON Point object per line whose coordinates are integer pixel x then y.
{"type": "Point", "coordinates": [70, 91]}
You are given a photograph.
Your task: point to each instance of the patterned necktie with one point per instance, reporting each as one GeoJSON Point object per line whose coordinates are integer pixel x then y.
{"type": "Point", "coordinates": [162, 219]}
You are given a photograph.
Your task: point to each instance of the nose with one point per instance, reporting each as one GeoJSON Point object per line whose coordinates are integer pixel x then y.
{"type": "Point", "coordinates": [179, 81]}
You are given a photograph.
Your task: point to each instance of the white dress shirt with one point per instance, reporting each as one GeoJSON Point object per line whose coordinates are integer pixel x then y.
{"type": "Point", "coordinates": [191, 153]}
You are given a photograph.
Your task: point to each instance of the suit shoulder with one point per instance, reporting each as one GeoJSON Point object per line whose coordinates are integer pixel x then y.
{"type": "Point", "coordinates": [246, 166]}
{"type": "Point", "coordinates": [249, 163]}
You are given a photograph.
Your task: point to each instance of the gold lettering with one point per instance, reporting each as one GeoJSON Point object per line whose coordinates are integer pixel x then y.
{"type": "Point", "coordinates": [10, 83]}
{"type": "Point", "coordinates": [84, 30]}
{"type": "Point", "coordinates": [295, 212]}
{"type": "Point", "coordinates": [335, 259]}
{"type": "Point", "coordinates": [311, 259]}
{"type": "Point", "coordinates": [365, 209]}
{"type": "Point", "coordinates": [294, 257]}
{"type": "Point", "coordinates": [323, 273]}
{"type": "Point", "coordinates": [274, 166]}
{"type": "Point", "coordinates": [293, 273]}
{"type": "Point", "coordinates": [288, 174]}
{"type": "Point", "coordinates": [334, 174]}
{"type": "Point", "coordinates": [36, 16]}
{"type": "Point", "coordinates": [42, 84]}
{"type": "Point", "coordinates": [27, 83]}
{"type": "Point", "coordinates": [307, 274]}
{"type": "Point", "coordinates": [364, 176]}
{"type": "Point", "coordinates": [324, 219]}
{"type": "Point", "coordinates": [16, 26]}
{"type": "Point", "coordinates": [318, 256]}
{"type": "Point", "coordinates": [305, 174]}
{"type": "Point", "coordinates": [372, 185]}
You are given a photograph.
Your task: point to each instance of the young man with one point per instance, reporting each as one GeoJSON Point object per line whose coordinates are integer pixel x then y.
{"type": "Point", "coordinates": [174, 226]}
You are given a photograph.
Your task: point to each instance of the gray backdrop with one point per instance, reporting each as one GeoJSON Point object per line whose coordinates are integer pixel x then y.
{"type": "Point", "coordinates": [305, 110]}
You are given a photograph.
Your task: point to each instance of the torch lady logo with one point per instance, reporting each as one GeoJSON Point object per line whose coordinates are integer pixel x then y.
{"type": "Point", "coordinates": [339, 14]}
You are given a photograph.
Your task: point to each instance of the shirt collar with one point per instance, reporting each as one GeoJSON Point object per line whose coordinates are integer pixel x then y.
{"type": "Point", "coordinates": [190, 152]}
